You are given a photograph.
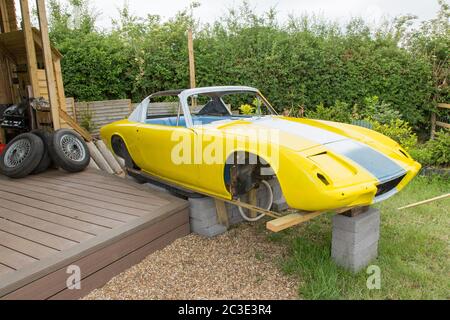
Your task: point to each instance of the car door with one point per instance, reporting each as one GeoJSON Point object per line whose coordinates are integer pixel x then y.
{"type": "Point", "coordinates": [168, 152]}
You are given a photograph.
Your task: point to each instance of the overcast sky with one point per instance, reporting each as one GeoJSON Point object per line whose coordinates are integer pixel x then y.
{"type": "Point", "coordinates": [341, 10]}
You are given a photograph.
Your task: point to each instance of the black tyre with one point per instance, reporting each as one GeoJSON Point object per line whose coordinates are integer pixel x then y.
{"type": "Point", "coordinates": [46, 161]}
{"type": "Point", "coordinates": [69, 151]}
{"type": "Point", "coordinates": [22, 155]}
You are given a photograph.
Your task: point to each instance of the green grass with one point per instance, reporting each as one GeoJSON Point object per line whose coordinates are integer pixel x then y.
{"type": "Point", "coordinates": [413, 251]}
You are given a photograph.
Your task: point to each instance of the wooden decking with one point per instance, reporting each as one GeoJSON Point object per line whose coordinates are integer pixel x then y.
{"type": "Point", "coordinates": [99, 223]}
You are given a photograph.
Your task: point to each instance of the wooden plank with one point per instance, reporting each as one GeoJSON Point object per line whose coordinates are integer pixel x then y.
{"type": "Point", "coordinates": [252, 199]}
{"type": "Point", "coordinates": [119, 199]}
{"type": "Point", "coordinates": [109, 157]}
{"type": "Point", "coordinates": [26, 199]}
{"type": "Point", "coordinates": [71, 122]}
{"type": "Point", "coordinates": [293, 219]}
{"type": "Point", "coordinates": [124, 189]}
{"type": "Point", "coordinates": [5, 25]}
{"type": "Point", "coordinates": [444, 196]}
{"type": "Point", "coordinates": [5, 51]}
{"type": "Point", "coordinates": [191, 59]}
{"type": "Point", "coordinates": [44, 226]}
{"type": "Point", "coordinates": [70, 222]}
{"type": "Point", "coordinates": [38, 41]}
{"type": "Point", "coordinates": [37, 236]}
{"type": "Point", "coordinates": [433, 125]}
{"type": "Point", "coordinates": [55, 282]}
{"type": "Point", "coordinates": [103, 208]}
{"type": "Point", "coordinates": [444, 105]}
{"type": "Point", "coordinates": [102, 216]}
{"type": "Point", "coordinates": [222, 214]}
{"type": "Point", "coordinates": [443, 124]}
{"type": "Point", "coordinates": [41, 268]}
{"type": "Point", "coordinates": [102, 276]}
{"type": "Point", "coordinates": [14, 259]}
{"type": "Point", "coordinates": [290, 220]}
{"type": "Point", "coordinates": [5, 269]}
{"type": "Point", "coordinates": [11, 10]}
{"type": "Point", "coordinates": [30, 49]}
{"type": "Point", "coordinates": [135, 186]}
{"type": "Point", "coordinates": [59, 84]}
{"type": "Point", "coordinates": [98, 158]}
{"type": "Point", "coordinates": [102, 180]}
{"type": "Point", "coordinates": [24, 246]}
{"type": "Point", "coordinates": [48, 62]}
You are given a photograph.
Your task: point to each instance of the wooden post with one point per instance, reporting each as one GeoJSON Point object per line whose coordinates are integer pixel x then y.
{"type": "Point", "coordinates": [433, 125]}
{"type": "Point", "coordinates": [59, 84]}
{"type": "Point", "coordinates": [191, 59]}
{"type": "Point", "coordinates": [222, 215]}
{"type": "Point", "coordinates": [29, 45]}
{"type": "Point", "coordinates": [48, 61]}
{"type": "Point", "coordinates": [4, 16]}
{"type": "Point", "coordinates": [252, 199]}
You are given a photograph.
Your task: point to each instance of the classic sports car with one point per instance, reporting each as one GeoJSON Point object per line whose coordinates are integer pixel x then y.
{"type": "Point", "coordinates": [205, 146]}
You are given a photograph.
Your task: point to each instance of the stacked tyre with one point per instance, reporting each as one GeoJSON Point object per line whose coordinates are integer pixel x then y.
{"type": "Point", "coordinates": [36, 151]}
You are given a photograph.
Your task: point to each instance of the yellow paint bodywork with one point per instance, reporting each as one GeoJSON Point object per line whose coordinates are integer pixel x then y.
{"type": "Point", "coordinates": [296, 166]}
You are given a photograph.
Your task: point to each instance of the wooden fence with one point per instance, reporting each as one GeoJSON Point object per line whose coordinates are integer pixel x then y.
{"type": "Point", "coordinates": [438, 122]}
{"type": "Point", "coordinates": [100, 113]}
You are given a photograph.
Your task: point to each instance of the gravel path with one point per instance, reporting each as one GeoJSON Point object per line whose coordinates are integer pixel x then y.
{"type": "Point", "coordinates": [240, 264]}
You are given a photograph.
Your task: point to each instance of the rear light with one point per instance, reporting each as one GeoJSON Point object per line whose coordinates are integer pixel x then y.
{"type": "Point", "coordinates": [2, 147]}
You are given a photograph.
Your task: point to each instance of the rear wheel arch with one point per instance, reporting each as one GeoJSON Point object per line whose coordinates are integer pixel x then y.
{"type": "Point", "coordinates": [249, 166]}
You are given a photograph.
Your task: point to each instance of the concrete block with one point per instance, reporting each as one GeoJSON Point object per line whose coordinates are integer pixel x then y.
{"type": "Point", "coordinates": [279, 202]}
{"type": "Point", "coordinates": [358, 260]}
{"type": "Point", "coordinates": [360, 223]}
{"type": "Point", "coordinates": [346, 242]}
{"type": "Point", "coordinates": [355, 239]}
{"type": "Point", "coordinates": [210, 231]}
{"type": "Point", "coordinates": [204, 223]}
{"type": "Point", "coordinates": [202, 208]}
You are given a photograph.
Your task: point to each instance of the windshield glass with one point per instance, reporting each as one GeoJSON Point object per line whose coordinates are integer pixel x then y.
{"type": "Point", "coordinates": [226, 104]}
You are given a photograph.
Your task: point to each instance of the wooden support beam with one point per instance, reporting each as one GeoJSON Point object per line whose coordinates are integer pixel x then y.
{"type": "Point", "coordinates": [425, 201]}
{"type": "Point", "coordinates": [4, 51]}
{"type": "Point", "coordinates": [29, 45]}
{"type": "Point", "coordinates": [191, 59]}
{"type": "Point", "coordinates": [433, 125]}
{"type": "Point", "coordinates": [48, 62]}
{"type": "Point", "coordinates": [444, 105]}
{"type": "Point", "coordinates": [252, 199]}
{"type": "Point", "coordinates": [290, 220]}
{"type": "Point", "coordinates": [75, 126]}
{"type": "Point", "coordinates": [222, 215]}
{"type": "Point", "coordinates": [98, 158]}
{"type": "Point", "coordinates": [108, 156]}
{"type": "Point", "coordinates": [38, 41]}
{"type": "Point", "coordinates": [5, 25]}
{"type": "Point", "coordinates": [293, 219]}
{"type": "Point", "coordinates": [59, 84]}
{"type": "Point", "coordinates": [443, 124]}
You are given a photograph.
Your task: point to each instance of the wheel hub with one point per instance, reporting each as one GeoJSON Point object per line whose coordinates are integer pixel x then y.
{"type": "Point", "coordinates": [72, 148]}
{"type": "Point", "coordinates": [17, 153]}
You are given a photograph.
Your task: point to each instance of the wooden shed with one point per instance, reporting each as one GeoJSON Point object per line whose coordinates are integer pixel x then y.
{"type": "Point", "coordinates": [30, 67]}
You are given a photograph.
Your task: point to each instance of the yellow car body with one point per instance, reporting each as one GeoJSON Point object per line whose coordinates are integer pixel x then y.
{"type": "Point", "coordinates": [320, 165]}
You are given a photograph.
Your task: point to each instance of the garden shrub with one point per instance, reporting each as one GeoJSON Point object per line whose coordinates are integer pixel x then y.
{"type": "Point", "coordinates": [305, 62]}
{"type": "Point", "coordinates": [434, 152]}
{"type": "Point", "coordinates": [398, 130]}
{"type": "Point", "coordinates": [339, 112]}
